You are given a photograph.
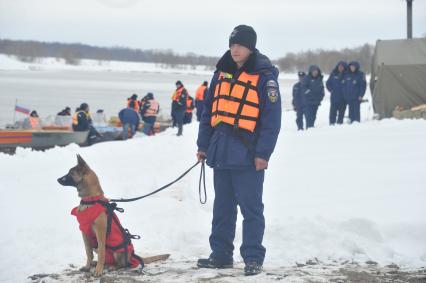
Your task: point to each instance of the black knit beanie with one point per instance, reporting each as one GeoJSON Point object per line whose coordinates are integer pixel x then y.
{"type": "Point", "coordinates": [243, 35]}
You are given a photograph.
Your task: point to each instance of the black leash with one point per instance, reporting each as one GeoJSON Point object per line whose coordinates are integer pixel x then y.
{"type": "Point", "coordinates": [202, 180]}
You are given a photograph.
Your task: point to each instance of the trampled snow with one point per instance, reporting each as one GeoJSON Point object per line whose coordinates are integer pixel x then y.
{"type": "Point", "coordinates": [351, 192]}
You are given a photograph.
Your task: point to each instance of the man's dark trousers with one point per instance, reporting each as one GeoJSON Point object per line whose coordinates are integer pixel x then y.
{"type": "Point", "coordinates": [243, 187]}
{"type": "Point", "coordinates": [179, 115]}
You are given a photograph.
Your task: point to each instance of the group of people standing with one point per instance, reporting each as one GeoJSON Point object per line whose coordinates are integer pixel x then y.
{"type": "Point", "coordinates": [347, 86]}
{"type": "Point", "coordinates": [147, 108]}
{"type": "Point", "coordinates": [183, 105]}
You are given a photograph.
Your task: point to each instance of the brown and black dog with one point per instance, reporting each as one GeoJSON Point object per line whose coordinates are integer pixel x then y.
{"type": "Point", "coordinates": [95, 236]}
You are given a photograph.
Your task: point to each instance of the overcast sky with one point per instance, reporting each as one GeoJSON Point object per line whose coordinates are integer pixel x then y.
{"type": "Point", "coordinates": [203, 27]}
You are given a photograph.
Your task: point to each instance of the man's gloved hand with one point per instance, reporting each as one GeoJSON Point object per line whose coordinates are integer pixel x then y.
{"type": "Point", "coordinates": [201, 155]}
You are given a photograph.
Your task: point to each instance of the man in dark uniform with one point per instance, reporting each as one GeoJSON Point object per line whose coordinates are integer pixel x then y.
{"type": "Point", "coordinates": [335, 87]}
{"type": "Point", "coordinates": [238, 131]}
{"type": "Point", "coordinates": [297, 101]}
{"type": "Point", "coordinates": [354, 87]}
{"type": "Point", "coordinates": [200, 95]}
{"type": "Point", "coordinates": [179, 100]}
{"type": "Point", "coordinates": [312, 95]}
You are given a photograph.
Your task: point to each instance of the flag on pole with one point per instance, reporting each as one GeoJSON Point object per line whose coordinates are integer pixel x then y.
{"type": "Point", "coordinates": [22, 109]}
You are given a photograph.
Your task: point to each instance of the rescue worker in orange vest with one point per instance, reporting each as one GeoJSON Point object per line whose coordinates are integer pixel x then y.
{"type": "Point", "coordinates": [149, 111]}
{"type": "Point", "coordinates": [200, 94]}
{"type": "Point", "coordinates": [237, 134]}
{"type": "Point", "coordinates": [32, 122]}
{"type": "Point", "coordinates": [187, 118]}
{"type": "Point", "coordinates": [136, 104]}
{"type": "Point", "coordinates": [179, 99]}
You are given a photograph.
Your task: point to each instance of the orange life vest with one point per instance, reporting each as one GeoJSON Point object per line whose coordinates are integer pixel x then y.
{"type": "Point", "coordinates": [153, 108]}
{"type": "Point", "coordinates": [75, 117]}
{"type": "Point", "coordinates": [177, 94]}
{"type": "Point", "coordinates": [137, 105]}
{"type": "Point", "coordinates": [34, 122]}
{"type": "Point", "coordinates": [199, 94]}
{"type": "Point", "coordinates": [236, 101]}
{"type": "Point", "coordinates": [189, 104]}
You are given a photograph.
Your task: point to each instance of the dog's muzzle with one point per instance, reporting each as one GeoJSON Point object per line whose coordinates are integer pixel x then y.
{"type": "Point", "coordinates": [67, 180]}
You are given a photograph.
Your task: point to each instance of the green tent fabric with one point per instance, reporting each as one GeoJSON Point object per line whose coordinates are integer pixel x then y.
{"type": "Point", "coordinates": [398, 75]}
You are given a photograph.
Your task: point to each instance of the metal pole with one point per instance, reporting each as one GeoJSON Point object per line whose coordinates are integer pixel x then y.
{"type": "Point", "coordinates": [14, 111]}
{"type": "Point", "coordinates": [410, 19]}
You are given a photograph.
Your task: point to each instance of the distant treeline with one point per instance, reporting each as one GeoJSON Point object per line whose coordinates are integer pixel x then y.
{"type": "Point", "coordinates": [29, 51]}
{"type": "Point", "coordinates": [326, 59]}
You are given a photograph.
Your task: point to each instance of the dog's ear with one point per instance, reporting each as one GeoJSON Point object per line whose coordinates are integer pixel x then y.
{"type": "Point", "coordinates": [81, 163]}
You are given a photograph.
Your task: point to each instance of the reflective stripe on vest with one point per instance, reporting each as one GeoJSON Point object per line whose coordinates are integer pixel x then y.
{"type": "Point", "coordinates": [153, 108]}
{"type": "Point", "coordinates": [199, 94]}
{"type": "Point", "coordinates": [236, 101]}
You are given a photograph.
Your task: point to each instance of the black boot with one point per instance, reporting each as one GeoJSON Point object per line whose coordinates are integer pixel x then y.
{"type": "Point", "coordinates": [213, 263]}
{"type": "Point", "coordinates": [252, 268]}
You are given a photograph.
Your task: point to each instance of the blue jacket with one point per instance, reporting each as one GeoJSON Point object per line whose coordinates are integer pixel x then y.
{"type": "Point", "coordinates": [297, 96]}
{"type": "Point", "coordinates": [312, 88]}
{"type": "Point", "coordinates": [224, 147]}
{"type": "Point", "coordinates": [354, 85]}
{"type": "Point", "coordinates": [129, 116]}
{"type": "Point", "coordinates": [84, 122]}
{"type": "Point", "coordinates": [335, 83]}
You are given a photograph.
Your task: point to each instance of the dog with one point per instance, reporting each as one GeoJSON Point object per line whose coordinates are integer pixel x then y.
{"type": "Point", "coordinates": [100, 227]}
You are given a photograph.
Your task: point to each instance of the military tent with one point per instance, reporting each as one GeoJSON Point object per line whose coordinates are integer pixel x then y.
{"type": "Point", "coordinates": [398, 75]}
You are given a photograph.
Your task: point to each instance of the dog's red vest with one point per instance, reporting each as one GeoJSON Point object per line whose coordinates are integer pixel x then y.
{"type": "Point", "coordinates": [87, 217]}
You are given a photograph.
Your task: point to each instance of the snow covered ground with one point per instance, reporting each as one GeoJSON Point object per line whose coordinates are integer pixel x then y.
{"type": "Point", "coordinates": [338, 196]}
{"type": "Point", "coordinates": [349, 193]}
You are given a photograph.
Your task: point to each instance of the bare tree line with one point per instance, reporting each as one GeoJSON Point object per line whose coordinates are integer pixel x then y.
{"type": "Point", "coordinates": [30, 51]}
{"type": "Point", "coordinates": [326, 59]}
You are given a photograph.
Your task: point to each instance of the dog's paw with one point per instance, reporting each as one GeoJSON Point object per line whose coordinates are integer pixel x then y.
{"type": "Point", "coordinates": [98, 271]}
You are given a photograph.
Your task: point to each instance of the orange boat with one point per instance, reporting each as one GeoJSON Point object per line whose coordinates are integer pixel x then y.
{"type": "Point", "coordinates": [40, 139]}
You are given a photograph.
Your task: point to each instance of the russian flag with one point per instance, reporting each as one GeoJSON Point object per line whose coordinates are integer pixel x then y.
{"type": "Point", "coordinates": [22, 109]}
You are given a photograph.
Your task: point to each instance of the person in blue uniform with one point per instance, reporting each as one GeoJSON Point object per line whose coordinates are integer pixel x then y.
{"type": "Point", "coordinates": [335, 87]}
{"type": "Point", "coordinates": [354, 87]}
{"type": "Point", "coordinates": [237, 134]}
{"type": "Point", "coordinates": [297, 101]}
{"type": "Point", "coordinates": [179, 106]}
{"type": "Point", "coordinates": [312, 95]}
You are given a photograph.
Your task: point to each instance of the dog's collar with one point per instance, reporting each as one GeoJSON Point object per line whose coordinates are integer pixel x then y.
{"type": "Point", "coordinates": [96, 198]}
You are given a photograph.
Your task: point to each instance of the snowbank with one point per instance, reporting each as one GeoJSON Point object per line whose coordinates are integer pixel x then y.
{"type": "Point", "coordinates": [335, 193]}
{"type": "Point", "coordinates": [58, 64]}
